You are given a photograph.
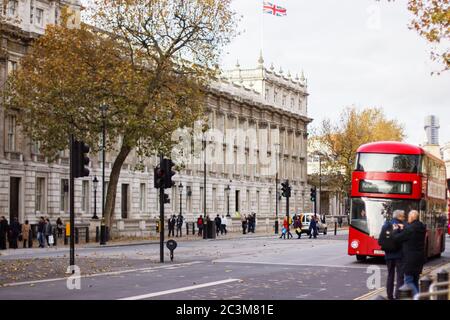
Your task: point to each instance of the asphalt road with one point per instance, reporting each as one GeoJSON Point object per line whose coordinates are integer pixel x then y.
{"type": "Point", "coordinates": [252, 268]}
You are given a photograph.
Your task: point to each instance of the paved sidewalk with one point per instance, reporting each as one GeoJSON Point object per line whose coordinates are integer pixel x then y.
{"type": "Point", "coordinates": [428, 270]}
{"type": "Point", "coordinates": [138, 242]}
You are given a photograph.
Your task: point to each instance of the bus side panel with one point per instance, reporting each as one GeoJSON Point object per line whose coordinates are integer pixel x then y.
{"type": "Point", "coordinates": [366, 244]}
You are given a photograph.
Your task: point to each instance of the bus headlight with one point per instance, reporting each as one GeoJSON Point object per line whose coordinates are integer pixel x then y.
{"type": "Point", "coordinates": [354, 244]}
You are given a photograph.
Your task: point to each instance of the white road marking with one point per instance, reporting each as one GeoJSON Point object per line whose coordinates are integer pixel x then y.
{"type": "Point", "coordinates": [290, 264]}
{"type": "Point", "coordinates": [166, 292]}
{"type": "Point", "coordinates": [15, 284]}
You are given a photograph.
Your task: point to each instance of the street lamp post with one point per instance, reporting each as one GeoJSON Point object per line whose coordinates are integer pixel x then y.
{"type": "Point", "coordinates": [227, 191]}
{"type": "Point", "coordinates": [277, 146]}
{"type": "Point", "coordinates": [180, 187]}
{"type": "Point", "coordinates": [104, 108]}
{"type": "Point", "coordinates": [95, 185]}
{"type": "Point", "coordinates": [205, 223]}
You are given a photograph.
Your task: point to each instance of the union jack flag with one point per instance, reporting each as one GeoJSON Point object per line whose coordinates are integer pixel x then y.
{"type": "Point", "coordinates": [273, 9]}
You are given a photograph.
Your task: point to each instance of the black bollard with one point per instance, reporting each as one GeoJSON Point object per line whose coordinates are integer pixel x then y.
{"type": "Point", "coordinates": [77, 238]}
{"type": "Point", "coordinates": [54, 238]}
{"type": "Point", "coordinates": [442, 276]}
{"type": "Point", "coordinates": [193, 228]}
{"type": "Point", "coordinates": [335, 228]}
{"type": "Point", "coordinates": [405, 292]}
{"type": "Point", "coordinates": [187, 229]}
{"type": "Point", "coordinates": [97, 234]}
{"type": "Point", "coordinates": [30, 239]}
{"type": "Point", "coordinates": [87, 234]}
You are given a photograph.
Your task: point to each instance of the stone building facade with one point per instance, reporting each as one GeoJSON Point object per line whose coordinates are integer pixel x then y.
{"type": "Point", "coordinates": [255, 100]}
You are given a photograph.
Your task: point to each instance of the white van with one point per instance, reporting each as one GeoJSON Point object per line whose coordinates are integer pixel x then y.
{"type": "Point", "coordinates": [306, 218]}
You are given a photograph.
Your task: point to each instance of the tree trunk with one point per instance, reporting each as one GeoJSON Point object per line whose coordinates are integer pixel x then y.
{"type": "Point", "coordinates": [112, 185]}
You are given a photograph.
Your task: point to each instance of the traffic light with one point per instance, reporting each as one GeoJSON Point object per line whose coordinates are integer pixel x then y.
{"type": "Point", "coordinates": [158, 178]}
{"type": "Point", "coordinates": [166, 198]}
{"type": "Point", "coordinates": [80, 159]}
{"type": "Point", "coordinates": [168, 173]}
{"type": "Point", "coordinates": [286, 189]}
{"type": "Point", "coordinates": [313, 194]}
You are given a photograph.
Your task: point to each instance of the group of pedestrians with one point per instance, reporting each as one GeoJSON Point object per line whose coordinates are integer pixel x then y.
{"type": "Point", "coordinates": [248, 223]}
{"type": "Point", "coordinates": [404, 245]}
{"type": "Point", "coordinates": [11, 234]}
{"type": "Point", "coordinates": [176, 222]}
{"type": "Point", "coordinates": [297, 223]}
{"type": "Point", "coordinates": [221, 224]}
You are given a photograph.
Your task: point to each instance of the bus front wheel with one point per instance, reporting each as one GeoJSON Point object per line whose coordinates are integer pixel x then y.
{"type": "Point", "coordinates": [361, 258]}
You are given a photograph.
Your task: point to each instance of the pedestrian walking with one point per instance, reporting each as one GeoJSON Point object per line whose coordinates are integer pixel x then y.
{"type": "Point", "coordinates": [298, 226]}
{"type": "Point", "coordinates": [14, 231]}
{"type": "Point", "coordinates": [286, 228]}
{"type": "Point", "coordinates": [25, 232]}
{"type": "Point", "coordinates": [412, 240]}
{"type": "Point", "coordinates": [340, 222]}
{"type": "Point", "coordinates": [200, 225]}
{"type": "Point", "coordinates": [171, 224]}
{"type": "Point", "coordinates": [218, 222]}
{"type": "Point", "coordinates": [40, 232]}
{"type": "Point", "coordinates": [180, 220]}
{"type": "Point", "coordinates": [393, 254]}
{"type": "Point", "coordinates": [223, 225]}
{"type": "Point", "coordinates": [48, 232]}
{"type": "Point", "coordinates": [244, 224]}
{"type": "Point", "coordinates": [313, 227]}
{"type": "Point", "coordinates": [59, 227]}
{"type": "Point", "coordinates": [3, 232]}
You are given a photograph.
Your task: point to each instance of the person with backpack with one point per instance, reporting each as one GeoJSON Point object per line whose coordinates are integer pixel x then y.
{"type": "Point", "coordinates": [200, 225]}
{"type": "Point", "coordinates": [393, 253]}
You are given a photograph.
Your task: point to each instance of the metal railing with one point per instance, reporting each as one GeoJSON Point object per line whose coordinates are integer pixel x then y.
{"type": "Point", "coordinates": [436, 288]}
{"type": "Point", "coordinates": [429, 288]}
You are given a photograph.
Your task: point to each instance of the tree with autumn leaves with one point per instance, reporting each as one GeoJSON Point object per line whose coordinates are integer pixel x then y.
{"type": "Point", "coordinates": [338, 141]}
{"type": "Point", "coordinates": [148, 62]}
{"type": "Point", "coordinates": [432, 21]}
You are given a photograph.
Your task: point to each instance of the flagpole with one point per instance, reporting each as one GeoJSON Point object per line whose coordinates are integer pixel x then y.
{"type": "Point", "coordinates": [262, 29]}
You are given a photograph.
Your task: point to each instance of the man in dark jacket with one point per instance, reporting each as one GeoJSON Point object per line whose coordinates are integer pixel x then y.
{"type": "Point", "coordinates": [171, 225]}
{"type": "Point", "coordinates": [3, 231]}
{"type": "Point", "coordinates": [218, 222]}
{"type": "Point", "coordinates": [40, 232]}
{"type": "Point", "coordinates": [394, 256]}
{"type": "Point", "coordinates": [413, 247]}
{"type": "Point", "coordinates": [14, 231]}
{"type": "Point", "coordinates": [180, 220]}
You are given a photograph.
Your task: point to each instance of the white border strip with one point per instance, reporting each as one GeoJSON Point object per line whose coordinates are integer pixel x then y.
{"type": "Point", "coordinates": [166, 292]}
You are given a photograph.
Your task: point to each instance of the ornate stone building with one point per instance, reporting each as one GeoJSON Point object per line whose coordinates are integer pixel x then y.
{"type": "Point", "coordinates": [270, 104]}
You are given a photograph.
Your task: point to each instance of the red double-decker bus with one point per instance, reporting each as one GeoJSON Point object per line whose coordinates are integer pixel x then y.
{"type": "Point", "coordinates": [390, 176]}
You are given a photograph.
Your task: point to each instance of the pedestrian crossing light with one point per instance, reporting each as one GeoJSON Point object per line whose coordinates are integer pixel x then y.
{"type": "Point", "coordinates": [313, 194]}
{"type": "Point", "coordinates": [169, 173]}
{"type": "Point", "coordinates": [286, 189]}
{"type": "Point", "coordinates": [166, 198]}
{"type": "Point", "coordinates": [80, 159]}
{"type": "Point", "coordinates": [158, 178]}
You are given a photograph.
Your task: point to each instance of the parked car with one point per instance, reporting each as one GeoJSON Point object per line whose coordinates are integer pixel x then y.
{"type": "Point", "coordinates": [306, 218]}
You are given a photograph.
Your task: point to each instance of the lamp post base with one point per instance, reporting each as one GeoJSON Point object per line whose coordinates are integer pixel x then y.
{"type": "Point", "coordinates": [276, 226]}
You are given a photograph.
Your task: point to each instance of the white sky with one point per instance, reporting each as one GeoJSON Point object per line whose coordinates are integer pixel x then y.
{"type": "Point", "coordinates": [353, 52]}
